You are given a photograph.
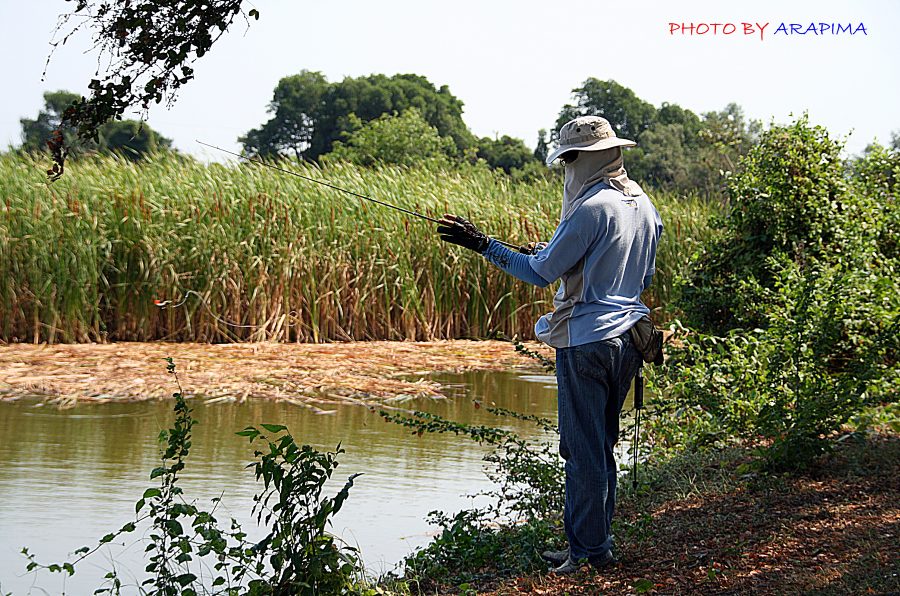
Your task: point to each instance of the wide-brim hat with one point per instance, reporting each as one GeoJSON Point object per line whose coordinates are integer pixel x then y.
{"type": "Point", "coordinates": [587, 133]}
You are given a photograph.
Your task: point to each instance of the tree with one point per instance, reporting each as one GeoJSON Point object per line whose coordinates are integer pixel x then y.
{"type": "Point", "coordinates": [297, 105]}
{"type": "Point", "coordinates": [542, 148]}
{"type": "Point", "coordinates": [36, 133]}
{"type": "Point", "coordinates": [672, 113]}
{"type": "Point", "coordinates": [309, 114]}
{"type": "Point", "coordinates": [129, 137]}
{"type": "Point", "coordinates": [728, 134]}
{"type": "Point", "coordinates": [401, 139]}
{"type": "Point", "coordinates": [149, 46]}
{"type": "Point", "coordinates": [506, 153]}
{"type": "Point", "coordinates": [662, 158]}
{"type": "Point", "coordinates": [627, 113]}
{"type": "Point", "coordinates": [676, 149]}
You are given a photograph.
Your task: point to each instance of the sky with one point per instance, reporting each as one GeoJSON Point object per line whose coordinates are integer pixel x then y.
{"type": "Point", "coordinates": [513, 63]}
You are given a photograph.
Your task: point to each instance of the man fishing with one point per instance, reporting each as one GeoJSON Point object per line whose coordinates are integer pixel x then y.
{"type": "Point", "coordinates": [604, 253]}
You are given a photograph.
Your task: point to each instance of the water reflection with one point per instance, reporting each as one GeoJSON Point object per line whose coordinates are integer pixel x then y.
{"type": "Point", "coordinates": [70, 476]}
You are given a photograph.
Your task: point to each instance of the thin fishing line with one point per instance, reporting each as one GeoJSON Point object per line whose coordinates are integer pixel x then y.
{"type": "Point", "coordinates": [168, 304]}
{"type": "Point", "coordinates": [338, 188]}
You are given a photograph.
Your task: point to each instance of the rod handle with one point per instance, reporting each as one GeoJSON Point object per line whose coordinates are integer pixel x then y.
{"type": "Point", "coordinates": [639, 388]}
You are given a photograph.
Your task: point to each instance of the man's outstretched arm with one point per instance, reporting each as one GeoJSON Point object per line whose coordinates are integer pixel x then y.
{"type": "Point", "coordinates": [514, 263]}
{"type": "Point", "coordinates": [458, 230]}
{"type": "Point", "coordinates": [540, 268]}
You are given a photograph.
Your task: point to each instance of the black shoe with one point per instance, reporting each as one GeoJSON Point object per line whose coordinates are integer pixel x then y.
{"type": "Point", "coordinates": [571, 566]}
{"type": "Point", "coordinates": [568, 566]}
{"type": "Point", "coordinates": [555, 557]}
{"type": "Point", "coordinates": [602, 561]}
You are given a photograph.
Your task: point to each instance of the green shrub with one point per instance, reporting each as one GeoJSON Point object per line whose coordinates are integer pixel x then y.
{"type": "Point", "coordinates": [789, 197]}
{"type": "Point", "coordinates": [404, 139]}
{"type": "Point", "coordinates": [795, 304]}
{"type": "Point", "coordinates": [788, 387]}
{"type": "Point", "coordinates": [523, 517]}
{"type": "Point", "coordinates": [877, 176]}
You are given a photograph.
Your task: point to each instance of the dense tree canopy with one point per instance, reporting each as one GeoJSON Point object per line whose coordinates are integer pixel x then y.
{"type": "Point", "coordinates": [131, 138]}
{"type": "Point", "coordinates": [128, 137]}
{"type": "Point", "coordinates": [36, 132]}
{"type": "Point", "coordinates": [400, 139]}
{"type": "Point", "coordinates": [309, 114]}
{"type": "Point", "coordinates": [677, 149]}
{"type": "Point", "coordinates": [628, 114]}
{"type": "Point", "coordinates": [506, 153]}
{"type": "Point", "coordinates": [542, 148]}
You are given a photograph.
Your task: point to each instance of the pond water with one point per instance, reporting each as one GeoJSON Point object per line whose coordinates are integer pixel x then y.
{"type": "Point", "coordinates": [67, 477]}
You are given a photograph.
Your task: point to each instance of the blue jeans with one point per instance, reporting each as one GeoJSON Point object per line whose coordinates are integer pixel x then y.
{"type": "Point", "coordinates": [593, 381]}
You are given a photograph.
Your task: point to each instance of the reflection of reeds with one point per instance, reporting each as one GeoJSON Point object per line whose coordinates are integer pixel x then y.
{"type": "Point", "coordinates": [84, 258]}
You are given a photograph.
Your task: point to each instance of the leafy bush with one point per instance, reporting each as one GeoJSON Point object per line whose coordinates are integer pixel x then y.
{"type": "Point", "coordinates": [786, 386]}
{"type": "Point", "coordinates": [797, 303]}
{"type": "Point", "coordinates": [877, 176]}
{"type": "Point", "coordinates": [790, 198]}
{"type": "Point", "coordinates": [523, 517]}
{"type": "Point", "coordinates": [404, 139]}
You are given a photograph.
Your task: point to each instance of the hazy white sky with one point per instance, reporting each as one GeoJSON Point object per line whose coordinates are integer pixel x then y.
{"type": "Point", "coordinates": [513, 63]}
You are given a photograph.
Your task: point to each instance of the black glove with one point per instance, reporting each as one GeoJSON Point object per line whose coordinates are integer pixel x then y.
{"type": "Point", "coordinates": [458, 230]}
{"type": "Point", "coordinates": [532, 248]}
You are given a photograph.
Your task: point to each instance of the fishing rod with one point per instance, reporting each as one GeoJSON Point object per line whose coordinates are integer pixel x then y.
{"type": "Point", "coordinates": [344, 190]}
{"type": "Point", "coordinates": [638, 406]}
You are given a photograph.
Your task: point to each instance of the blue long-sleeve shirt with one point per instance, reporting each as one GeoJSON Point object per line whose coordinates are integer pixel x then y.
{"type": "Point", "coordinates": [605, 254]}
{"type": "Point", "coordinates": [514, 263]}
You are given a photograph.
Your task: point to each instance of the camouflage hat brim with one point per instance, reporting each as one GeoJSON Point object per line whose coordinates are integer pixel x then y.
{"type": "Point", "coordinates": [590, 146]}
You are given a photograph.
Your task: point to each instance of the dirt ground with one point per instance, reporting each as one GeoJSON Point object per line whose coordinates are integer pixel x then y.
{"type": "Point", "coordinates": [311, 375]}
{"type": "Point", "coordinates": [832, 530]}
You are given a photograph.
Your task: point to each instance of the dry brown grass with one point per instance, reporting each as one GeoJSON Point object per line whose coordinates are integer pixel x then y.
{"type": "Point", "coordinates": [306, 374]}
{"type": "Point", "coordinates": [832, 530]}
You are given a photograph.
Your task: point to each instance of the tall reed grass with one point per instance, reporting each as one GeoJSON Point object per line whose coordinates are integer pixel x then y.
{"type": "Point", "coordinates": [278, 258]}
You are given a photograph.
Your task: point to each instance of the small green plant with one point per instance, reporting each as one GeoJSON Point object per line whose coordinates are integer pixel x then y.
{"type": "Point", "coordinates": [522, 518]}
{"type": "Point", "coordinates": [305, 559]}
{"type": "Point", "coordinates": [548, 364]}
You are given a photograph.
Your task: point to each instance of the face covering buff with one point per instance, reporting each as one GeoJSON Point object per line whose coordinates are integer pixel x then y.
{"type": "Point", "coordinates": [590, 168]}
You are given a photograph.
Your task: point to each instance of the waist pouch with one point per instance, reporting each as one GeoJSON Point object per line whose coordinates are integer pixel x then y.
{"type": "Point", "coordinates": [648, 340]}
